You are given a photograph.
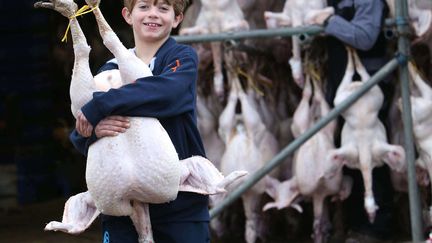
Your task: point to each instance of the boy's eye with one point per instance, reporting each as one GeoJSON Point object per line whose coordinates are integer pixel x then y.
{"type": "Point", "coordinates": [143, 6]}
{"type": "Point", "coordinates": [164, 7]}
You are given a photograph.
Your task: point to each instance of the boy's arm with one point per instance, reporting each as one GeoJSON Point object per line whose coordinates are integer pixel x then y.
{"type": "Point", "coordinates": [168, 94]}
{"type": "Point", "coordinates": [363, 30]}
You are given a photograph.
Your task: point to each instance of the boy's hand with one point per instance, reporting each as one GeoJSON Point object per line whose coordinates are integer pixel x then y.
{"type": "Point", "coordinates": [83, 127]}
{"type": "Point", "coordinates": [112, 126]}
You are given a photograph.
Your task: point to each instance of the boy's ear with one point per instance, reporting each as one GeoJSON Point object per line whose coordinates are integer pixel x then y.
{"type": "Point", "coordinates": [126, 15]}
{"type": "Point", "coordinates": [177, 20]}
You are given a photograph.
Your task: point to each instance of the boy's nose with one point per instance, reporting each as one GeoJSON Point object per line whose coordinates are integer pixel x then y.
{"type": "Point", "coordinates": [153, 11]}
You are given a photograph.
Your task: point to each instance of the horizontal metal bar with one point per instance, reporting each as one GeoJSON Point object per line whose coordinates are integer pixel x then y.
{"type": "Point", "coordinates": [258, 33]}
{"type": "Point", "coordinates": [290, 148]}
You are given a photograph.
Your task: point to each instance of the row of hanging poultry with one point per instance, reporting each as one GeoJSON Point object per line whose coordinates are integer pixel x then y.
{"type": "Point", "coordinates": [250, 105]}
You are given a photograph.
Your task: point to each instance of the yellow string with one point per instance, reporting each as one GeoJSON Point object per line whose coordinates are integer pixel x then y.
{"type": "Point", "coordinates": [414, 65]}
{"type": "Point", "coordinates": [313, 72]}
{"type": "Point", "coordinates": [417, 70]}
{"type": "Point", "coordinates": [81, 11]}
{"type": "Point", "coordinates": [249, 78]}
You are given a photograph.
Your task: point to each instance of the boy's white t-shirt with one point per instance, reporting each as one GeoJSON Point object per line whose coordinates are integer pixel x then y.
{"type": "Point", "coordinates": [151, 64]}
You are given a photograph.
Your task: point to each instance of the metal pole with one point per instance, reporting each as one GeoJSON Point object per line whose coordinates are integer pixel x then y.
{"type": "Point", "coordinates": [404, 51]}
{"type": "Point", "coordinates": [278, 159]}
{"type": "Point", "coordinates": [258, 33]}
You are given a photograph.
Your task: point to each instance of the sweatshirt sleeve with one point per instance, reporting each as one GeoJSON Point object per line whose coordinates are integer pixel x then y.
{"type": "Point", "coordinates": [81, 143]}
{"type": "Point", "coordinates": [363, 30]}
{"type": "Point", "coordinates": [168, 94]}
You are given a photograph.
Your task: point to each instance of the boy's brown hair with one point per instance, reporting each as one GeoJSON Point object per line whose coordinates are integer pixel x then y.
{"type": "Point", "coordinates": [178, 5]}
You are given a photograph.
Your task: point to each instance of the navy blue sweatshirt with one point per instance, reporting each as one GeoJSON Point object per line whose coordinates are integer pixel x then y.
{"type": "Point", "coordinates": [169, 96]}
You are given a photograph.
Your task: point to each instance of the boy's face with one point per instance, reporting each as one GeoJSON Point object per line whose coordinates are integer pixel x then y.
{"type": "Point", "coordinates": [152, 20]}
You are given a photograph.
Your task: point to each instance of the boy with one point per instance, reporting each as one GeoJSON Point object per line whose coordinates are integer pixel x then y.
{"type": "Point", "coordinates": [170, 97]}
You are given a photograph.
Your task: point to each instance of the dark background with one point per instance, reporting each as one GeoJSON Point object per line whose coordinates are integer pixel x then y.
{"type": "Point", "coordinates": [35, 117]}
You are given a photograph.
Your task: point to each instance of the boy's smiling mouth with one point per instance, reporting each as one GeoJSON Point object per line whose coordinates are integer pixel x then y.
{"type": "Point", "coordinates": [152, 24]}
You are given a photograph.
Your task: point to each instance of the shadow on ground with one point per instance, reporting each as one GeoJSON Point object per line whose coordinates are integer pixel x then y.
{"type": "Point", "coordinates": [26, 224]}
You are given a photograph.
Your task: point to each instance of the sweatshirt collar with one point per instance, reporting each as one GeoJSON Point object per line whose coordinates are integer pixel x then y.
{"type": "Point", "coordinates": [169, 42]}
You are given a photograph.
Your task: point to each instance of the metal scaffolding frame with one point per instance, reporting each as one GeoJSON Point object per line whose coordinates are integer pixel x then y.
{"type": "Point", "coordinates": [400, 60]}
